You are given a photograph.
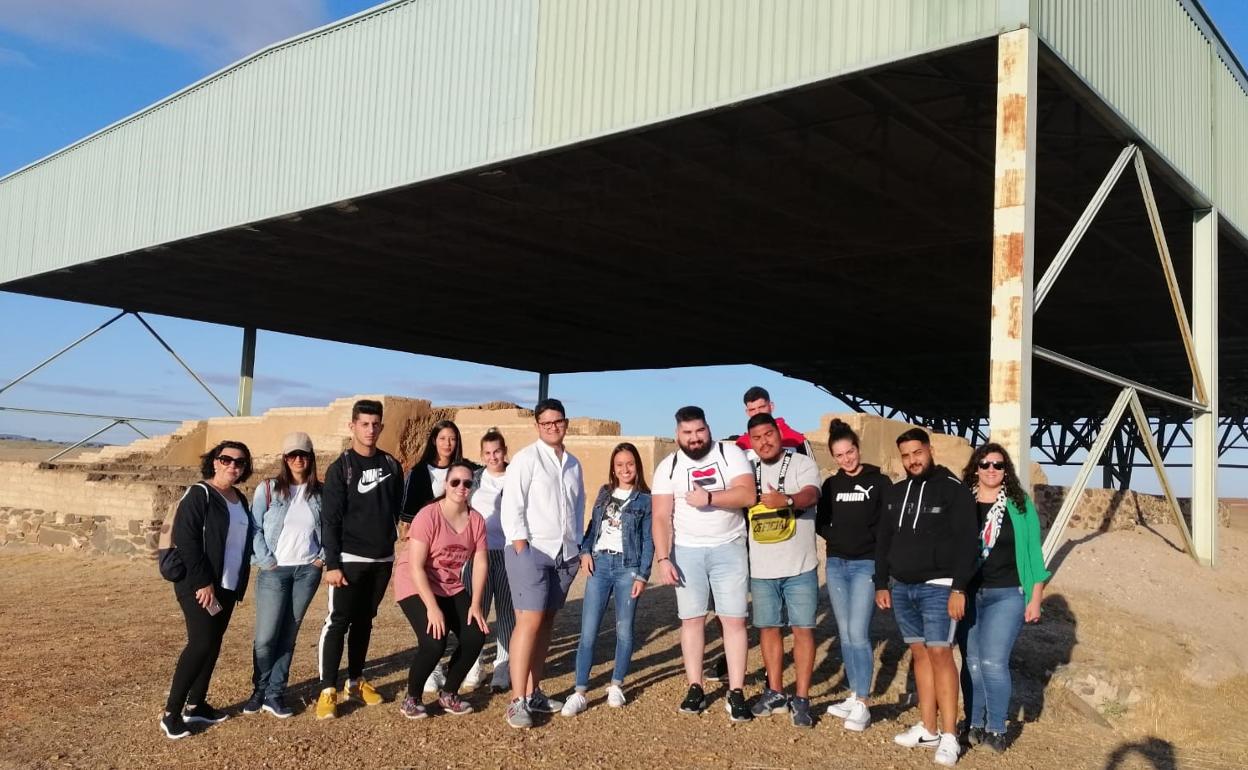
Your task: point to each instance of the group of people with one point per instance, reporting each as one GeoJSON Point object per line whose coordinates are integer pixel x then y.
{"type": "Point", "coordinates": [956, 558]}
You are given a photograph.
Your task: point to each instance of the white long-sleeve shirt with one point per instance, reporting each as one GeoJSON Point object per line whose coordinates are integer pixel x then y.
{"type": "Point", "coordinates": [544, 501]}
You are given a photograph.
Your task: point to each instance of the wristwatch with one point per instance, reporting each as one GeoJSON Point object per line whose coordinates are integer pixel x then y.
{"type": "Point", "coordinates": [788, 500]}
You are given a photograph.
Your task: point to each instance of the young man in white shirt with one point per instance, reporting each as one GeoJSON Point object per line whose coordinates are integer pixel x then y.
{"type": "Point", "coordinates": [698, 494]}
{"type": "Point", "coordinates": [542, 512]}
{"type": "Point", "coordinates": [784, 578]}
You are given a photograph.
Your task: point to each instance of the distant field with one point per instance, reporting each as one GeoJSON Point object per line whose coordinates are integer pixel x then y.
{"type": "Point", "coordinates": [18, 450]}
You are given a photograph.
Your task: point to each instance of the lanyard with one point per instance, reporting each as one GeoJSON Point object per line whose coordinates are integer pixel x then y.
{"type": "Point", "coordinates": [758, 473]}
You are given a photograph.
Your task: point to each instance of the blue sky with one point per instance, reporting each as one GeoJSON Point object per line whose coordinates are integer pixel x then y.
{"type": "Point", "coordinates": [70, 67]}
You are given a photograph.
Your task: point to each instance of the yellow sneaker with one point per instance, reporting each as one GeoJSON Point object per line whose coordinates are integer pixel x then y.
{"type": "Point", "coordinates": [361, 690]}
{"type": "Point", "coordinates": [327, 704]}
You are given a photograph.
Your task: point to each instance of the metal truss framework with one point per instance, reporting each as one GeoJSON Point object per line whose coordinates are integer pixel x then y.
{"type": "Point", "coordinates": [115, 420]}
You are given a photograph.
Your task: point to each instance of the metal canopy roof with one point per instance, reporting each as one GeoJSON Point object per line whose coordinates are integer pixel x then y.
{"type": "Point", "coordinates": [827, 217]}
{"type": "Point", "coordinates": [838, 233]}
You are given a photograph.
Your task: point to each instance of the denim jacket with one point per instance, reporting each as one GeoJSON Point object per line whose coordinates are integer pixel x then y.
{"type": "Point", "coordinates": [634, 521]}
{"type": "Point", "coordinates": [268, 514]}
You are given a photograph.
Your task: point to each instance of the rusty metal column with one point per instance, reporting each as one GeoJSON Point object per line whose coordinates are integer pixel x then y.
{"type": "Point", "coordinates": [1013, 248]}
{"type": "Point", "coordinates": [1205, 425]}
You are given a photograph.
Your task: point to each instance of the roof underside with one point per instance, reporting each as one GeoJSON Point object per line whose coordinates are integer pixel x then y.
{"type": "Point", "coordinates": [840, 233]}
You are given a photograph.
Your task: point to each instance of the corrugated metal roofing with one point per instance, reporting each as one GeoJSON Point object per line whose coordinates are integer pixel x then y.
{"type": "Point", "coordinates": [417, 89]}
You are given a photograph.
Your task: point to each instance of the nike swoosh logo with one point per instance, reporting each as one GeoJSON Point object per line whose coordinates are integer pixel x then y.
{"type": "Point", "coordinates": [365, 488]}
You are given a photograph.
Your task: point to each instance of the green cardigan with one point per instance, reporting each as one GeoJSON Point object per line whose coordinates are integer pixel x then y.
{"type": "Point", "coordinates": [1028, 554]}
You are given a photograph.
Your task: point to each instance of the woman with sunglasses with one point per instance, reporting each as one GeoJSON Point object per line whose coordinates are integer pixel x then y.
{"type": "Point", "coordinates": [428, 583]}
{"type": "Point", "coordinates": [1007, 589]}
{"type": "Point", "coordinates": [426, 481]}
{"type": "Point", "coordinates": [617, 552]}
{"type": "Point", "coordinates": [211, 532]}
{"type": "Point", "coordinates": [286, 515]}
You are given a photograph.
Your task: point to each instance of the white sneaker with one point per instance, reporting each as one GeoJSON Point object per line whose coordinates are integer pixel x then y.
{"type": "Point", "coordinates": [843, 708]}
{"type": "Point", "coordinates": [917, 736]}
{"type": "Point", "coordinates": [615, 696]}
{"type": "Point", "coordinates": [575, 704]}
{"type": "Point", "coordinates": [948, 750]}
{"type": "Point", "coordinates": [473, 679]}
{"type": "Point", "coordinates": [858, 718]}
{"type": "Point", "coordinates": [436, 680]}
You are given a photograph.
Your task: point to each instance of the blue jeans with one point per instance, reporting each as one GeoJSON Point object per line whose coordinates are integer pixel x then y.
{"type": "Point", "coordinates": [796, 597]}
{"type": "Point", "coordinates": [610, 576]}
{"type": "Point", "coordinates": [851, 589]}
{"type": "Point", "coordinates": [922, 614]}
{"type": "Point", "coordinates": [986, 637]}
{"type": "Point", "coordinates": [282, 598]}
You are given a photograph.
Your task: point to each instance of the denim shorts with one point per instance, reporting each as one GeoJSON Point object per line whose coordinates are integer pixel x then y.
{"type": "Point", "coordinates": [721, 570]}
{"type": "Point", "coordinates": [538, 582]}
{"type": "Point", "coordinates": [922, 613]}
{"type": "Point", "coordinates": [797, 596]}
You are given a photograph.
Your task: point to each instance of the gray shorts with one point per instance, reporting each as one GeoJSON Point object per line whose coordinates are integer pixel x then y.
{"type": "Point", "coordinates": [538, 583]}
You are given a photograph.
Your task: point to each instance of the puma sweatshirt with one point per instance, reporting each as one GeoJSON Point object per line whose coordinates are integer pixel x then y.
{"type": "Point", "coordinates": [360, 506]}
{"type": "Point", "coordinates": [849, 511]}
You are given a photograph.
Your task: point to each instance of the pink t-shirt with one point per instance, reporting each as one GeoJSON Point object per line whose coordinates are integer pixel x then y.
{"type": "Point", "coordinates": [448, 552]}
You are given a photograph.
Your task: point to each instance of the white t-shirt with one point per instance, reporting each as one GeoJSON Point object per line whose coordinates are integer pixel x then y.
{"type": "Point", "coordinates": [703, 527]}
{"type": "Point", "coordinates": [798, 554]}
{"type": "Point", "coordinates": [610, 531]}
{"type": "Point", "coordinates": [297, 544]}
{"type": "Point", "coordinates": [437, 479]}
{"type": "Point", "coordinates": [487, 500]}
{"type": "Point", "coordinates": [235, 541]}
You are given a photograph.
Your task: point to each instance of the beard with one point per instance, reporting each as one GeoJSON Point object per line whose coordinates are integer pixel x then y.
{"type": "Point", "coordinates": [700, 452]}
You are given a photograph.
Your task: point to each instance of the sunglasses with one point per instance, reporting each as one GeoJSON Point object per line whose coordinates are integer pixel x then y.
{"type": "Point", "coordinates": [985, 465]}
{"type": "Point", "coordinates": [465, 483]}
{"type": "Point", "coordinates": [299, 455]}
{"type": "Point", "coordinates": [228, 460]}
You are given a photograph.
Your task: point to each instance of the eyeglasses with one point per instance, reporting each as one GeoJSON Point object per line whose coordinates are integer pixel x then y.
{"type": "Point", "coordinates": [549, 424]}
{"type": "Point", "coordinates": [299, 455]}
{"type": "Point", "coordinates": [985, 465]}
{"type": "Point", "coordinates": [228, 460]}
{"type": "Point", "coordinates": [465, 483]}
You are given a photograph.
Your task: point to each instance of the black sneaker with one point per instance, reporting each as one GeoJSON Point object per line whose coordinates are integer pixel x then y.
{"type": "Point", "coordinates": [695, 700]}
{"type": "Point", "coordinates": [995, 741]}
{"type": "Point", "coordinates": [972, 736]}
{"type": "Point", "coordinates": [204, 713]}
{"type": "Point", "coordinates": [173, 726]}
{"type": "Point", "coordinates": [737, 710]}
{"type": "Point", "coordinates": [799, 708]}
{"type": "Point", "coordinates": [254, 703]}
{"type": "Point", "coordinates": [277, 707]}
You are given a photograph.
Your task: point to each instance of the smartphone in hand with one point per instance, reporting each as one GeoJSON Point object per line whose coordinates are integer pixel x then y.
{"type": "Point", "coordinates": [215, 607]}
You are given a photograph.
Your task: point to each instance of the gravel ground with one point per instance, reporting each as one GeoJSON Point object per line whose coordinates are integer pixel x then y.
{"type": "Point", "coordinates": [90, 645]}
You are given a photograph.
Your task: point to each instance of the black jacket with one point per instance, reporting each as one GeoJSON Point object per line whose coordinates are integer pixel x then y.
{"type": "Point", "coordinates": [849, 512]}
{"type": "Point", "coordinates": [418, 490]}
{"type": "Point", "coordinates": [927, 531]}
{"type": "Point", "coordinates": [200, 528]}
{"type": "Point", "coordinates": [360, 504]}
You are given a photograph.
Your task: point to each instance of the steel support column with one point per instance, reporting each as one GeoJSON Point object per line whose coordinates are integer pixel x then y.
{"type": "Point", "coordinates": [247, 372]}
{"type": "Point", "coordinates": [1013, 247]}
{"type": "Point", "coordinates": [543, 386]}
{"type": "Point", "coordinates": [1205, 424]}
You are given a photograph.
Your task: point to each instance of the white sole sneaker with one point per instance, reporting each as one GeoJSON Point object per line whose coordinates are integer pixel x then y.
{"type": "Point", "coordinates": [842, 709]}
{"type": "Point", "coordinates": [859, 719]}
{"type": "Point", "coordinates": [615, 697]}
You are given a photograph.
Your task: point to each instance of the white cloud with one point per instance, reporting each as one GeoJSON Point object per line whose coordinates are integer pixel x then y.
{"type": "Point", "coordinates": [10, 57]}
{"type": "Point", "coordinates": [218, 31]}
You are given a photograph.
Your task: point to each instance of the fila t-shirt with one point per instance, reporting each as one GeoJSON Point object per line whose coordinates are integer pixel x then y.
{"type": "Point", "coordinates": [703, 527]}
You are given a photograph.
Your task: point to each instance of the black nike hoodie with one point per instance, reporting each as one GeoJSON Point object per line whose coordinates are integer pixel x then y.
{"type": "Point", "coordinates": [927, 531]}
{"type": "Point", "coordinates": [849, 512]}
{"type": "Point", "coordinates": [360, 505]}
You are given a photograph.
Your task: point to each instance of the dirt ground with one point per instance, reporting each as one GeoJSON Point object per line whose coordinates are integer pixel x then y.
{"type": "Point", "coordinates": [90, 645]}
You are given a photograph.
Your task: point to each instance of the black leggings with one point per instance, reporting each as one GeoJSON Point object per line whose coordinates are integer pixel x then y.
{"type": "Point", "coordinates": [351, 612]}
{"type": "Point", "coordinates": [430, 651]}
{"type": "Point", "coordinates": [203, 645]}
